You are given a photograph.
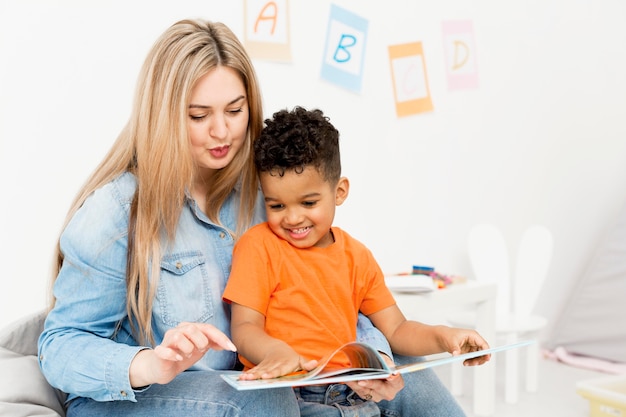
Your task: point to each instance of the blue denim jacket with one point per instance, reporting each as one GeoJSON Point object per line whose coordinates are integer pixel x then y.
{"type": "Point", "coordinates": [86, 346]}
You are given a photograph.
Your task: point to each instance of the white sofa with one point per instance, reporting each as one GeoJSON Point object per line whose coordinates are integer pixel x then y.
{"type": "Point", "coordinates": [23, 389]}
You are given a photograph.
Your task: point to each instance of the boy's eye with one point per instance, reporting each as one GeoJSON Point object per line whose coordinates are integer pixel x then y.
{"type": "Point", "coordinates": [309, 203]}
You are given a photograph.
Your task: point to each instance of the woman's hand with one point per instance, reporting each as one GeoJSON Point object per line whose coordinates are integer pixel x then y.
{"type": "Point", "coordinates": [379, 389]}
{"type": "Point", "coordinates": [182, 346]}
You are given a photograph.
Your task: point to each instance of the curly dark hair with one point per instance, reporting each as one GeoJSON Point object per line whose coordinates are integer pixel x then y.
{"type": "Point", "coordinates": [293, 140]}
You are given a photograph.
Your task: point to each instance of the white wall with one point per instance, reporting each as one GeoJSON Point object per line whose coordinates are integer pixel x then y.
{"type": "Point", "coordinates": [542, 140]}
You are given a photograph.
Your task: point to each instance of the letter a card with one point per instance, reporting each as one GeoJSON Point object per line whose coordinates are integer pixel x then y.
{"type": "Point", "coordinates": [267, 29]}
{"type": "Point", "coordinates": [410, 83]}
{"type": "Point", "coordinates": [460, 53]}
{"type": "Point", "coordinates": [344, 52]}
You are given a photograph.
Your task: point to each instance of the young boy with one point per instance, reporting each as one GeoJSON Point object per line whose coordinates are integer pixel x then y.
{"type": "Point", "coordinates": [297, 283]}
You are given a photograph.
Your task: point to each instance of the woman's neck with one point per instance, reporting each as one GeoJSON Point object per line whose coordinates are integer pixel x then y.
{"type": "Point", "coordinates": [201, 187]}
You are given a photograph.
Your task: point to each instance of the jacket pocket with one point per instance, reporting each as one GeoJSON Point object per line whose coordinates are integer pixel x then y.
{"type": "Point", "coordinates": [184, 293]}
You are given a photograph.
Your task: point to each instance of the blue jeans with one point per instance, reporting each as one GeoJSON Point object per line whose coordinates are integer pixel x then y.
{"type": "Point", "coordinates": [194, 393]}
{"type": "Point", "coordinates": [334, 400]}
{"type": "Point", "coordinates": [423, 395]}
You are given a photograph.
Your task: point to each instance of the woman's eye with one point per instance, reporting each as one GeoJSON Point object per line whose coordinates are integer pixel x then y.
{"type": "Point", "coordinates": [235, 111]}
{"type": "Point", "coordinates": [275, 206]}
{"type": "Point", "coordinates": [197, 117]}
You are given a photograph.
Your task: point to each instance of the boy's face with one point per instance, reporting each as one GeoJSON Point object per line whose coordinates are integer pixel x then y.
{"type": "Point", "coordinates": [301, 207]}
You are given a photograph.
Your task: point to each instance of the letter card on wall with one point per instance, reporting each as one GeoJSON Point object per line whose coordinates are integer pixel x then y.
{"type": "Point", "coordinates": [460, 52]}
{"type": "Point", "coordinates": [410, 83]}
{"type": "Point", "coordinates": [344, 53]}
{"type": "Point", "coordinates": [267, 29]}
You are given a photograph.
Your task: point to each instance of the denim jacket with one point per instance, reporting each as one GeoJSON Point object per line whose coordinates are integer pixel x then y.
{"type": "Point", "coordinates": [87, 346]}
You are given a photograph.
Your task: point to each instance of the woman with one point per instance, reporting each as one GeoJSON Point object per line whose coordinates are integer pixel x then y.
{"type": "Point", "coordinates": [146, 249]}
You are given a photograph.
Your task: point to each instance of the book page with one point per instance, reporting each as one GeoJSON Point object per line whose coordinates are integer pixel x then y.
{"type": "Point", "coordinates": [370, 365]}
{"type": "Point", "coordinates": [365, 363]}
{"type": "Point", "coordinates": [418, 366]}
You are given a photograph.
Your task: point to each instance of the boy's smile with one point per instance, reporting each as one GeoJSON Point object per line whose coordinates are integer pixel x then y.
{"type": "Point", "coordinates": [301, 206]}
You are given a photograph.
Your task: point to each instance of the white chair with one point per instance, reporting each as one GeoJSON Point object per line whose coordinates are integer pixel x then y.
{"type": "Point", "coordinates": [515, 298]}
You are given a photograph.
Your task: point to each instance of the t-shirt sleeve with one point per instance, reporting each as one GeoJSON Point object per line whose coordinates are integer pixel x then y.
{"type": "Point", "coordinates": [249, 280]}
{"type": "Point", "coordinates": [378, 296]}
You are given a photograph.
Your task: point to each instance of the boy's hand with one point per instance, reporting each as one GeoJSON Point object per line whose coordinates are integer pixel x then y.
{"type": "Point", "coordinates": [277, 363]}
{"type": "Point", "coordinates": [458, 341]}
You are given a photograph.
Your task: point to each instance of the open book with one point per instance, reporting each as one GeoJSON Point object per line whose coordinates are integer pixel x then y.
{"type": "Point", "coordinates": [365, 363]}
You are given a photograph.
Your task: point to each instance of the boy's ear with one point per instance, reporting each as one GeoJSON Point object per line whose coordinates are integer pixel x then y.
{"type": "Point", "coordinates": [341, 190]}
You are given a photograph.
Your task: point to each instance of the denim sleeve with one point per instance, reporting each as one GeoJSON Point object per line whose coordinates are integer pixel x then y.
{"type": "Point", "coordinates": [78, 351]}
{"type": "Point", "coordinates": [367, 333]}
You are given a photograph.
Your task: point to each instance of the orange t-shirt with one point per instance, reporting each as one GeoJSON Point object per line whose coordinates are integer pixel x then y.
{"type": "Point", "coordinates": [310, 297]}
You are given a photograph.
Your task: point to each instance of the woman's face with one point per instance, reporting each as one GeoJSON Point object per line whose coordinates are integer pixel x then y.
{"type": "Point", "coordinates": [218, 118]}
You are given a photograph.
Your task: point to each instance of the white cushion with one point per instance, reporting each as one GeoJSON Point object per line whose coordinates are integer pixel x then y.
{"type": "Point", "coordinates": [23, 389]}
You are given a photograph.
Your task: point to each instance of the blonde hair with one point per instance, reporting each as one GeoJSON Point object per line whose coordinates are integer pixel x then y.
{"type": "Point", "coordinates": [155, 147]}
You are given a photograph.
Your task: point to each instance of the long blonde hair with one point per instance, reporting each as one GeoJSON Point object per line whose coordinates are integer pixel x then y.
{"type": "Point", "coordinates": [155, 147]}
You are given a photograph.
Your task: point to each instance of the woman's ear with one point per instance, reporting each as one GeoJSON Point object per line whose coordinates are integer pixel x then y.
{"type": "Point", "coordinates": [341, 190]}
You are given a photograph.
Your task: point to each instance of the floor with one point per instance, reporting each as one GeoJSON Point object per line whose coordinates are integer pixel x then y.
{"type": "Point", "coordinates": [556, 396]}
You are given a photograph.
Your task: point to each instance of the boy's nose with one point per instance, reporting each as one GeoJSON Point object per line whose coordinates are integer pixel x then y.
{"type": "Point", "coordinates": [293, 217]}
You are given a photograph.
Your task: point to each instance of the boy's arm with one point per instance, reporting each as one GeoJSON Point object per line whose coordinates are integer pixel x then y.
{"type": "Point", "coordinates": [273, 357]}
{"type": "Point", "coordinates": [412, 338]}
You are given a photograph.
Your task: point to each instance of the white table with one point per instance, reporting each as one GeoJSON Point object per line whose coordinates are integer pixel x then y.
{"type": "Point", "coordinates": [483, 298]}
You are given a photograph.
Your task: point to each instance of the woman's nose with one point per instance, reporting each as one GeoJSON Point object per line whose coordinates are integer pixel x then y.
{"type": "Point", "coordinates": [218, 127]}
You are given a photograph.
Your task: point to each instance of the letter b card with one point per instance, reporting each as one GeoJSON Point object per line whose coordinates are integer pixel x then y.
{"type": "Point", "coordinates": [344, 53]}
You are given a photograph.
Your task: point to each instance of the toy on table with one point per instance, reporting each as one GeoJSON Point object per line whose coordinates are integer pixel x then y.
{"type": "Point", "coordinates": [440, 280]}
